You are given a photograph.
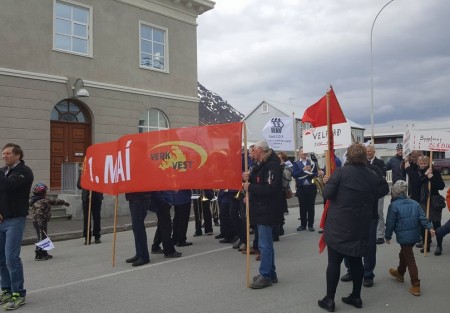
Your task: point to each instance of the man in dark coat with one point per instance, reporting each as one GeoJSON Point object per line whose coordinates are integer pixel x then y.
{"type": "Point", "coordinates": [395, 165]}
{"type": "Point", "coordinates": [265, 188]}
{"type": "Point", "coordinates": [372, 159]}
{"type": "Point", "coordinates": [351, 190]}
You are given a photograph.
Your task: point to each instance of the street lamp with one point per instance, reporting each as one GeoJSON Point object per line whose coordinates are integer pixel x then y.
{"type": "Point", "coordinates": [79, 90]}
{"type": "Point", "coordinates": [372, 139]}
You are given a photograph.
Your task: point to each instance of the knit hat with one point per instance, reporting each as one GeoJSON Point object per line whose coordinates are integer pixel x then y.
{"type": "Point", "coordinates": [399, 146]}
{"type": "Point", "coordinates": [399, 189]}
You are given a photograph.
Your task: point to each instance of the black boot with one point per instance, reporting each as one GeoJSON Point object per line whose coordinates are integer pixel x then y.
{"type": "Point", "coordinates": [39, 255]}
{"type": "Point", "coordinates": [47, 256]}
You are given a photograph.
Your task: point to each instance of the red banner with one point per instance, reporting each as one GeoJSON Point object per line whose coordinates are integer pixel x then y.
{"type": "Point", "coordinates": [205, 157]}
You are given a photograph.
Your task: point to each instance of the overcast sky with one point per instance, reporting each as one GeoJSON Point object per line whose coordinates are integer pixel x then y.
{"type": "Point", "coordinates": [255, 50]}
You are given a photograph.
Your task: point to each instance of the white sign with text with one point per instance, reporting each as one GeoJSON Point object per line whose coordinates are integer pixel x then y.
{"type": "Point", "coordinates": [316, 139]}
{"type": "Point", "coordinates": [425, 141]}
{"type": "Point", "coordinates": [279, 133]}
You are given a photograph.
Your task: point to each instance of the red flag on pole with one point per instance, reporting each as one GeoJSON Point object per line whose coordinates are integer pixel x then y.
{"type": "Point", "coordinates": [316, 114]}
{"type": "Point", "coordinates": [325, 112]}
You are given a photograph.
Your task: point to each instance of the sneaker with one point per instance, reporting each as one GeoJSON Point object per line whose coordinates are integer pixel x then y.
{"type": "Point", "coordinates": [274, 279]}
{"type": "Point", "coordinates": [397, 275]}
{"type": "Point", "coordinates": [210, 233]}
{"type": "Point", "coordinates": [415, 290]}
{"type": "Point", "coordinates": [5, 296]}
{"type": "Point", "coordinates": [301, 228]}
{"type": "Point", "coordinates": [15, 302]}
{"type": "Point", "coordinates": [237, 245]}
{"type": "Point", "coordinates": [242, 247]}
{"type": "Point", "coordinates": [311, 228]}
{"type": "Point", "coordinates": [261, 282]}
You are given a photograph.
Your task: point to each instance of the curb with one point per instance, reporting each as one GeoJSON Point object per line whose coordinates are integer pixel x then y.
{"type": "Point", "coordinates": [79, 233]}
{"type": "Point", "coordinates": [26, 241]}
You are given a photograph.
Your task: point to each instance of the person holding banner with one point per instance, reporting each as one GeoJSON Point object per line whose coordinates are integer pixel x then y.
{"type": "Point", "coordinates": [265, 189]}
{"type": "Point", "coordinates": [15, 185]}
{"type": "Point", "coordinates": [96, 206]}
{"type": "Point", "coordinates": [139, 203]}
{"type": "Point", "coordinates": [304, 171]}
{"type": "Point", "coordinates": [182, 208]}
{"type": "Point", "coordinates": [420, 177]}
{"type": "Point", "coordinates": [352, 191]}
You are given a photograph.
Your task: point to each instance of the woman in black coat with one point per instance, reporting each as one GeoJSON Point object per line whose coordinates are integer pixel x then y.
{"type": "Point", "coordinates": [351, 190]}
{"type": "Point", "coordinates": [420, 175]}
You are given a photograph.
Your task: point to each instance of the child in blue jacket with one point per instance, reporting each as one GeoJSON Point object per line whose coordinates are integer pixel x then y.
{"type": "Point", "coordinates": [404, 217]}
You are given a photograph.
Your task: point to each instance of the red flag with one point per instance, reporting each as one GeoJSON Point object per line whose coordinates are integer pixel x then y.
{"type": "Point", "coordinates": [205, 157]}
{"type": "Point", "coordinates": [316, 114]}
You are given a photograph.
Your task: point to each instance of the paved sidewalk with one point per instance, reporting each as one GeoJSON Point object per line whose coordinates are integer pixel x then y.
{"type": "Point", "coordinates": [63, 229]}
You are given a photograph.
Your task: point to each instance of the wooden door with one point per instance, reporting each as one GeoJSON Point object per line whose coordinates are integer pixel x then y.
{"type": "Point", "coordinates": [69, 142]}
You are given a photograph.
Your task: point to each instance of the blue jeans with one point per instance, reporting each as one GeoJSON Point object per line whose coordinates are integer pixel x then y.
{"type": "Point", "coordinates": [138, 212]}
{"type": "Point", "coordinates": [11, 268]}
{"type": "Point", "coordinates": [265, 245]}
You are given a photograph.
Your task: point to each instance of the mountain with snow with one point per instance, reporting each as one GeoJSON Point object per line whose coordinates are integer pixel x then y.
{"type": "Point", "coordinates": [214, 110]}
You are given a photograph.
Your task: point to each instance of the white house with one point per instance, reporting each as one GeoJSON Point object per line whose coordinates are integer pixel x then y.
{"type": "Point", "coordinates": [264, 111]}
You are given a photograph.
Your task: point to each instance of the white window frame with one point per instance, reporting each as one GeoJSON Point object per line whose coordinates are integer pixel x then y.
{"type": "Point", "coordinates": [166, 47]}
{"type": "Point", "coordinates": [89, 26]}
{"type": "Point", "coordinates": [265, 108]}
{"type": "Point", "coordinates": [147, 128]}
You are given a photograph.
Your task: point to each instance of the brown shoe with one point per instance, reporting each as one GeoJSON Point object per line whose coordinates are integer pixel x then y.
{"type": "Point", "coordinates": [258, 257]}
{"type": "Point", "coordinates": [415, 290]}
{"type": "Point", "coordinates": [397, 275]}
{"type": "Point", "coordinates": [252, 251]}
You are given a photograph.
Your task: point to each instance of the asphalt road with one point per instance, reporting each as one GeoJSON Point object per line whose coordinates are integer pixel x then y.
{"type": "Point", "coordinates": [210, 278]}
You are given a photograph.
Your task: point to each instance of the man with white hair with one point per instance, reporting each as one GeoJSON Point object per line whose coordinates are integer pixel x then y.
{"type": "Point", "coordinates": [264, 185]}
{"type": "Point", "coordinates": [372, 159]}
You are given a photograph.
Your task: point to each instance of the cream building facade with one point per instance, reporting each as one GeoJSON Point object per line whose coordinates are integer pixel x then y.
{"type": "Point", "coordinates": [75, 73]}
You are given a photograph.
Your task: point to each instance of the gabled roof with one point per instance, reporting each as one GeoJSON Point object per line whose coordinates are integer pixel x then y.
{"type": "Point", "coordinates": [288, 109]}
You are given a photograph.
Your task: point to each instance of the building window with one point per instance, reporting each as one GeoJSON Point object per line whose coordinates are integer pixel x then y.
{"type": "Point", "coordinates": [69, 111]}
{"type": "Point", "coordinates": [265, 108]}
{"type": "Point", "coordinates": [72, 28]}
{"type": "Point", "coordinates": [153, 47]}
{"type": "Point", "coordinates": [153, 120]}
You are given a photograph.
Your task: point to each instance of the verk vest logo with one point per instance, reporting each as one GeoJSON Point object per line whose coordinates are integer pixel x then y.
{"type": "Point", "coordinates": [175, 158]}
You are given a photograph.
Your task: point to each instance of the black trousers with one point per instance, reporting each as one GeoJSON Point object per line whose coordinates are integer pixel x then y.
{"type": "Point", "coordinates": [356, 269]}
{"type": "Point", "coordinates": [201, 209]}
{"type": "Point", "coordinates": [96, 207]}
{"type": "Point", "coordinates": [180, 222]}
{"type": "Point", "coordinates": [307, 200]}
{"type": "Point", "coordinates": [164, 231]}
{"type": "Point", "coordinates": [226, 225]}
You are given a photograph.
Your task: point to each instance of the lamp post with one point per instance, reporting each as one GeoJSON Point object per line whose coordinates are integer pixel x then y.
{"type": "Point", "coordinates": [372, 139]}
